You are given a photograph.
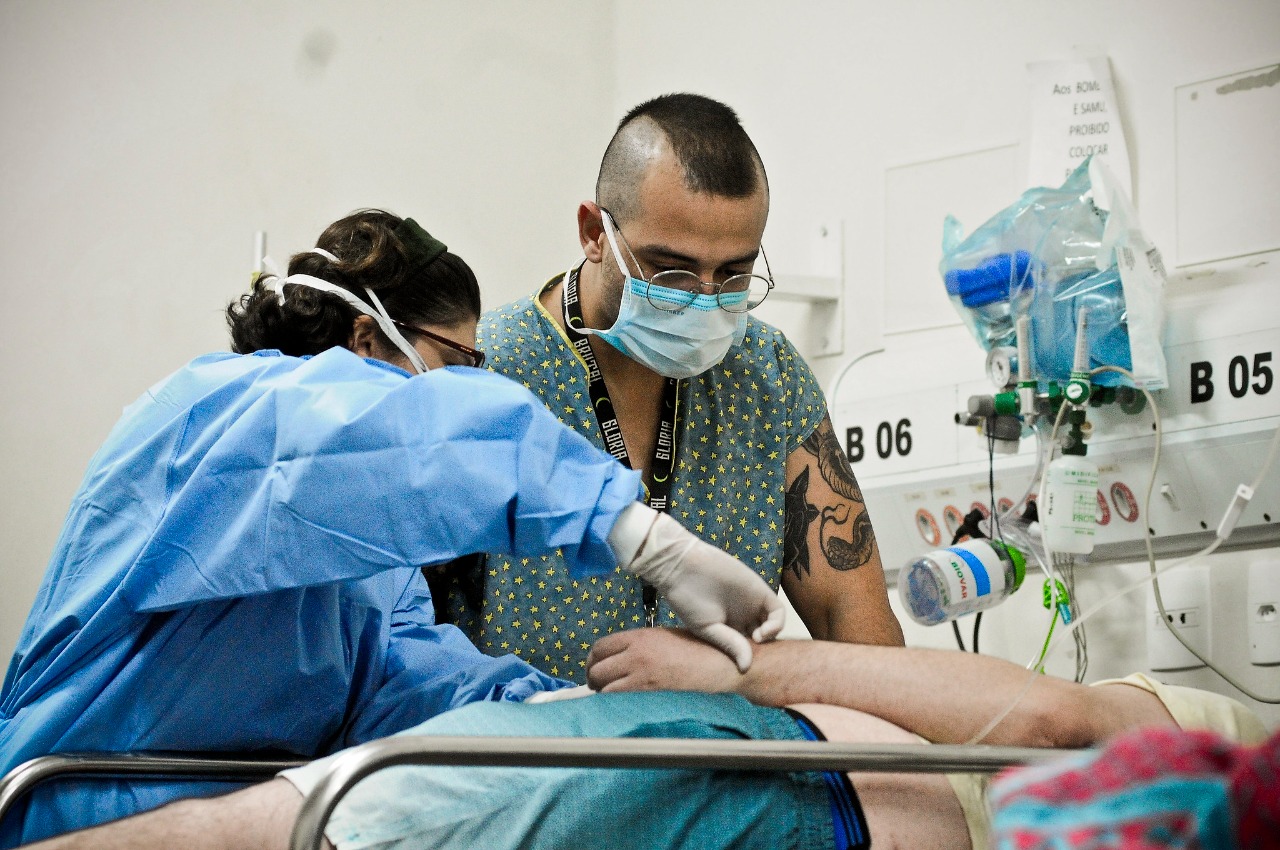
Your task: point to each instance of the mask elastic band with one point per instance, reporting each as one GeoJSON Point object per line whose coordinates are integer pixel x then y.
{"type": "Point", "coordinates": [390, 330]}
{"type": "Point", "coordinates": [275, 283]}
{"type": "Point", "coordinates": [609, 227]}
{"type": "Point", "coordinates": [272, 270]}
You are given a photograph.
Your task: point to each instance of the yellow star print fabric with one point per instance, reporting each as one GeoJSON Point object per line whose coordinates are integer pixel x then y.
{"type": "Point", "coordinates": [739, 422]}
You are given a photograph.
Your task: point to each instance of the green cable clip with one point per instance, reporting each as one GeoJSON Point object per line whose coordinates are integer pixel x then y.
{"type": "Point", "coordinates": [1061, 599]}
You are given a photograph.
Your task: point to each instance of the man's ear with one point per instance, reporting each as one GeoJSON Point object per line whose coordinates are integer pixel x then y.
{"type": "Point", "coordinates": [364, 339]}
{"type": "Point", "coordinates": [591, 231]}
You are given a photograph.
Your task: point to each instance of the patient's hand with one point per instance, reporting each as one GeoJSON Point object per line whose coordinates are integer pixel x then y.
{"type": "Point", "coordinates": [659, 660]}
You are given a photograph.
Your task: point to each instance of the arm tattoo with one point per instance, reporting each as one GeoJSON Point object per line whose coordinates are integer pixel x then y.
{"type": "Point", "coordinates": [844, 555]}
{"type": "Point", "coordinates": [832, 463]}
{"type": "Point", "coordinates": [795, 533]}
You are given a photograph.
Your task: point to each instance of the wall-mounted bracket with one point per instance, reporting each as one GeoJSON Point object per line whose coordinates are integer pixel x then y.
{"type": "Point", "coordinates": [820, 294]}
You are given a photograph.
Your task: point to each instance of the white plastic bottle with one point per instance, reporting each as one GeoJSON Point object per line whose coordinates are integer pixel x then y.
{"type": "Point", "coordinates": [1068, 505]}
{"type": "Point", "coordinates": [947, 583]}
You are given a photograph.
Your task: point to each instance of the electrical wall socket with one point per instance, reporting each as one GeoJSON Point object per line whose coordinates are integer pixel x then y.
{"type": "Point", "coordinates": [1263, 601]}
{"type": "Point", "coordinates": [1186, 597]}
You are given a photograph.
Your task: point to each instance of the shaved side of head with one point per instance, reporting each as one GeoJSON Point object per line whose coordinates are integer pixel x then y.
{"type": "Point", "coordinates": [635, 146]}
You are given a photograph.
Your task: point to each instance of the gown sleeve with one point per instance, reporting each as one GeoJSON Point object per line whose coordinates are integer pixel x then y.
{"type": "Point", "coordinates": [430, 669]}
{"type": "Point", "coordinates": [338, 469]}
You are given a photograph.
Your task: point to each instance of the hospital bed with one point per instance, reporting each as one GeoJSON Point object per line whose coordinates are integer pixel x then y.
{"type": "Point", "coordinates": [366, 759]}
{"type": "Point", "coordinates": [222, 767]}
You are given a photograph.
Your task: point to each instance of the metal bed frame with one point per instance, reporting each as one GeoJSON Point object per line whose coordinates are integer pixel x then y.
{"type": "Point", "coordinates": [423, 750]}
{"type": "Point", "coordinates": [221, 767]}
{"type": "Point", "coordinates": [359, 762]}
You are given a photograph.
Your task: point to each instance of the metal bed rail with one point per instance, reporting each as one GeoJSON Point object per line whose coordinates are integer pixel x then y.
{"type": "Point", "coordinates": [18, 782]}
{"type": "Point", "coordinates": [423, 750]}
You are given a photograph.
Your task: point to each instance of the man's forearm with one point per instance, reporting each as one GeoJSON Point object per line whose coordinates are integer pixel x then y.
{"type": "Point", "coordinates": [943, 696]}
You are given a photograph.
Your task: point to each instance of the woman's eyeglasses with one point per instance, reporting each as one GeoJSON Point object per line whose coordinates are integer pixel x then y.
{"type": "Point", "coordinates": [475, 357]}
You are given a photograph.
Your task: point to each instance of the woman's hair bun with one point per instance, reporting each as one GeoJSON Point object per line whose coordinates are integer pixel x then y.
{"type": "Point", "coordinates": [417, 280]}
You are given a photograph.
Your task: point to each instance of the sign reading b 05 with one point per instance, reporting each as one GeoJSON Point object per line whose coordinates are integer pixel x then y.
{"type": "Point", "coordinates": [1240, 377]}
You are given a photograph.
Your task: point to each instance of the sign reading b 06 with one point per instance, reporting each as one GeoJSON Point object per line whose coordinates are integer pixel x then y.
{"type": "Point", "coordinates": [889, 438]}
{"type": "Point", "coordinates": [899, 433]}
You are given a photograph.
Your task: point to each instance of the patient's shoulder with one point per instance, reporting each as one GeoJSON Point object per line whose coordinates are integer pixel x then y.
{"type": "Point", "coordinates": [1128, 703]}
{"type": "Point", "coordinates": [1189, 708]}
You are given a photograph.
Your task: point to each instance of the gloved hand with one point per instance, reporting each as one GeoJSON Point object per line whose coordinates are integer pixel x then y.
{"type": "Point", "coordinates": [716, 596]}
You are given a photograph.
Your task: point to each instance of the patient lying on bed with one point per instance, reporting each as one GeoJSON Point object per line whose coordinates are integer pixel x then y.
{"type": "Point", "coordinates": [794, 690]}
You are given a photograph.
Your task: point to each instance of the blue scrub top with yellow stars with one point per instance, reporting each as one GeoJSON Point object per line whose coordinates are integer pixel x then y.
{"type": "Point", "coordinates": [739, 422]}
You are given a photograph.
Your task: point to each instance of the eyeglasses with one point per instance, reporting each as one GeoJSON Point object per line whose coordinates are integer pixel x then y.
{"type": "Point", "coordinates": [674, 289]}
{"type": "Point", "coordinates": [476, 357]}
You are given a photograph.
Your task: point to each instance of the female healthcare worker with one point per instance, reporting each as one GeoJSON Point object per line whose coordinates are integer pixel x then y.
{"type": "Point", "coordinates": [240, 569]}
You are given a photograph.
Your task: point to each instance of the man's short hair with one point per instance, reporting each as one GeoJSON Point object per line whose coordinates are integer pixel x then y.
{"type": "Point", "coordinates": [706, 137]}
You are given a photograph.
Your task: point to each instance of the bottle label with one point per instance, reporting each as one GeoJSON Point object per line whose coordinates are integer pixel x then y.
{"type": "Point", "coordinates": [973, 575]}
{"type": "Point", "coordinates": [1069, 508]}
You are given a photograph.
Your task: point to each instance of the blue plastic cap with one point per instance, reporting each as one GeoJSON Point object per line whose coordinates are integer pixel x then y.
{"type": "Point", "coordinates": [990, 281]}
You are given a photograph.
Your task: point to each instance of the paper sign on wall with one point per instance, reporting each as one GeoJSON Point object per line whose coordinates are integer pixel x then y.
{"type": "Point", "coordinates": [1074, 115]}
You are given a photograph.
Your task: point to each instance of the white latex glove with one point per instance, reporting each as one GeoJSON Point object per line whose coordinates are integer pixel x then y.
{"type": "Point", "coordinates": [716, 596]}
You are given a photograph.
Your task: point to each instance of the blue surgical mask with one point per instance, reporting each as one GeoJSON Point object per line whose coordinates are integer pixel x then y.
{"type": "Point", "coordinates": [676, 344]}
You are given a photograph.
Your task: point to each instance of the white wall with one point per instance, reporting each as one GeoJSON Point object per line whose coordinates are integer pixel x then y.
{"type": "Point", "coordinates": [836, 93]}
{"type": "Point", "coordinates": [142, 144]}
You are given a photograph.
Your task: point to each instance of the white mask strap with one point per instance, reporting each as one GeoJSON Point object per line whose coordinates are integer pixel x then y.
{"type": "Point", "coordinates": [617, 255]}
{"type": "Point", "coordinates": [389, 328]}
{"type": "Point", "coordinates": [276, 284]}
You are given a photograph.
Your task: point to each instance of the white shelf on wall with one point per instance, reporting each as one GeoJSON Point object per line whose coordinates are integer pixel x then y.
{"type": "Point", "coordinates": [807, 288]}
{"type": "Point", "coordinates": [809, 308]}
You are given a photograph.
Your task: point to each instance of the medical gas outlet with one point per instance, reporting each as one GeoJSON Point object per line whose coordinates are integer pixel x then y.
{"type": "Point", "coordinates": [995, 417]}
{"type": "Point", "coordinates": [1264, 612]}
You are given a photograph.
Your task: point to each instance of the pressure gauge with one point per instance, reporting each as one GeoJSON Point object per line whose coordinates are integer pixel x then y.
{"type": "Point", "coordinates": [1077, 390]}
{"type": "Point", "coordinates": [1002, 366]}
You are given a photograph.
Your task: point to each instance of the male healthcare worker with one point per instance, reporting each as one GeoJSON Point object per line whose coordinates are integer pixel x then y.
{"type": "Point", "coordinates": [239, 570]}
{"type": "Point", "coordinates": [646, 347]}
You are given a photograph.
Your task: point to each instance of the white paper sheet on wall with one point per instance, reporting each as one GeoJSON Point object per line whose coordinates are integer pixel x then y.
{"type": "Point", "coordinates": [1225, 134]}
{"type": "Point", "coordinates": [1074, 115]}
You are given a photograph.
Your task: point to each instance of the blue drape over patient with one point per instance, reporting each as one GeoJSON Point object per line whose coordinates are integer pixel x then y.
{"type": "Point", "coordinates": [239, 570]}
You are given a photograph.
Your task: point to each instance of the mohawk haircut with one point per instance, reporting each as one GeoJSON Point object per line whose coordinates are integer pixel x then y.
{"type": "Point", "coordinates": [714, 151]}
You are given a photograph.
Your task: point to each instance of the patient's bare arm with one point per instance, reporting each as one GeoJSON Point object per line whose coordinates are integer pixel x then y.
{"type": "Point", "coordinates": [944, 696]}
{"type": "Point", "coordinates": [257, 818]}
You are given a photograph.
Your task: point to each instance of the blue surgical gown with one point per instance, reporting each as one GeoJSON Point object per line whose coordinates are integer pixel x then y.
{"type": "Point", "coordinates": [239, 570]}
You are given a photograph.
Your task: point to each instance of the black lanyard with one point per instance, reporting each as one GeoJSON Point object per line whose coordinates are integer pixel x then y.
{"type": "Point", "coordinates": [664, 449]}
